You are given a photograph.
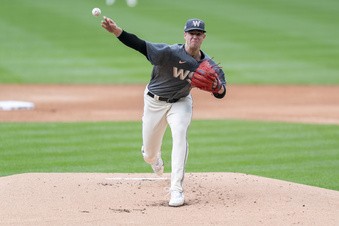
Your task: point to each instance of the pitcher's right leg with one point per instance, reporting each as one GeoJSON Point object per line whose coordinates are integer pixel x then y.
{"type": "Point", "coordinates": [154, 125]}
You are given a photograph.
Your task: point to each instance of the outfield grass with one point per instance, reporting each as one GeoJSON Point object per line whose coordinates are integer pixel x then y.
{"type": "Point", "coordinates": [306, 154]}
{"type": "Point", "coordinates": [261, 42]}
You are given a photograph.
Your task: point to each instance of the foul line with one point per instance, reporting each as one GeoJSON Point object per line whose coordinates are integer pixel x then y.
{"type": "Point", "coordinates": [137, 178]}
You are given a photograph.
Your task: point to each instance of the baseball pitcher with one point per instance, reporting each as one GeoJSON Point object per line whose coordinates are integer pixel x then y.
{"type": "Point", "coordinates": [167, 100]}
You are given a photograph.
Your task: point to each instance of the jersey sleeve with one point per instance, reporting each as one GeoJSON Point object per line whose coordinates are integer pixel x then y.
{"type": "Point", "coordinates": [157, 53]}
{"type": "Point", "coordinates": [133, 42]}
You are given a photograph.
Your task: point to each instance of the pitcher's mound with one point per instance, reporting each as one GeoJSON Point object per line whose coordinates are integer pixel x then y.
{"type": "Point", "coordinates": [141, 199]}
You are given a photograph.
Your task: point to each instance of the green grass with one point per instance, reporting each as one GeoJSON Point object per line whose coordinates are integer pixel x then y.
{"type": "Point", "coordinates": [261, 42]}
{"type": "Point", "coordinates": [306, 154]}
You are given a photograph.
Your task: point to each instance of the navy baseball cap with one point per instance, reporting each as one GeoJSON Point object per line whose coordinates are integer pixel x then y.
{"type": "Point", "coordinates": [194, 24]}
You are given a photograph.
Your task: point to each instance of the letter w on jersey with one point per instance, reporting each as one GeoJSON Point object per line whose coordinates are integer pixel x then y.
{"type": "Point", "coordinates": [181, 73]}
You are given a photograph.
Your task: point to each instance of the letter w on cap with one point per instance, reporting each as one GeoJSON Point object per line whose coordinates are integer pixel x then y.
{"type": "Point", "coordinates": [196, 23]}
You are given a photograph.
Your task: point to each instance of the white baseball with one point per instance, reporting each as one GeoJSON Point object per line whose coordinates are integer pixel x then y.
{"type": "Point", "coordinates": [96, 12]}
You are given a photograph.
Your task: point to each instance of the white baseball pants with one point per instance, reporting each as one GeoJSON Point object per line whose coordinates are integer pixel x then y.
{"type": "Point", "coordinates": [157, 115]}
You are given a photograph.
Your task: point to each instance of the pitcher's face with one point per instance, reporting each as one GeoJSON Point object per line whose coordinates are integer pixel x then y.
{"type": "Point", "coordinates": [194, 39]}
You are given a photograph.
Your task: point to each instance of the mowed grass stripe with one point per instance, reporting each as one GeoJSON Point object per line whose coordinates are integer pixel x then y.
{"type": "Point", "coordinates": [55, 45]}
{"type": "Point", "coordinates": [279, 42]}
{"type": "Point", "coordinates": [295, 152]}
{"type": "Point", "coordinates": [64, 146]}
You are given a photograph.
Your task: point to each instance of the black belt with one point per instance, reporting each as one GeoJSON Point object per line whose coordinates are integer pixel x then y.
{"type": "Point", "coordinates": [168, 100]}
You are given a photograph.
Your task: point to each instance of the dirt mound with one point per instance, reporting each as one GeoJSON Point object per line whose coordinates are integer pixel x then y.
{"type": "Point", "coordinates": [141, 199]}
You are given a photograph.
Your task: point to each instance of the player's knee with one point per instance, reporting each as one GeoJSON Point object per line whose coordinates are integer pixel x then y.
{"type": "Point", "coordinates": [148, 158]}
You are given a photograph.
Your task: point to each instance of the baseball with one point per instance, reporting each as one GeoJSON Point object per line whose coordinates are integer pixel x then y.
{"type": "Point", "coordinates": [96, 12]}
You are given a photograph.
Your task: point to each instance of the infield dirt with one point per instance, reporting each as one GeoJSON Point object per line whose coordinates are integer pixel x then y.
{"type": "Point", "coordinates": [307, 104]}
{"type": "Point", "coordinates": [141, 199]}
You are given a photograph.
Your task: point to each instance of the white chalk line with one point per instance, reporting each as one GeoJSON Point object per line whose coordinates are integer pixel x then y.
{"type": "Point", "coordinates": [137, 178]}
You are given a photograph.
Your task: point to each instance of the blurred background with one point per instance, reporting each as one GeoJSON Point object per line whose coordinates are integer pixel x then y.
{"type": "Point", "coordinates": [257, 42]}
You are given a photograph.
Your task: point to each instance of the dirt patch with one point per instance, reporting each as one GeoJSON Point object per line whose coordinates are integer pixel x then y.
{"type": "Point", "coordinates": [140, 199]}
{"type": "Point", "coordinates": [55, 103]}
